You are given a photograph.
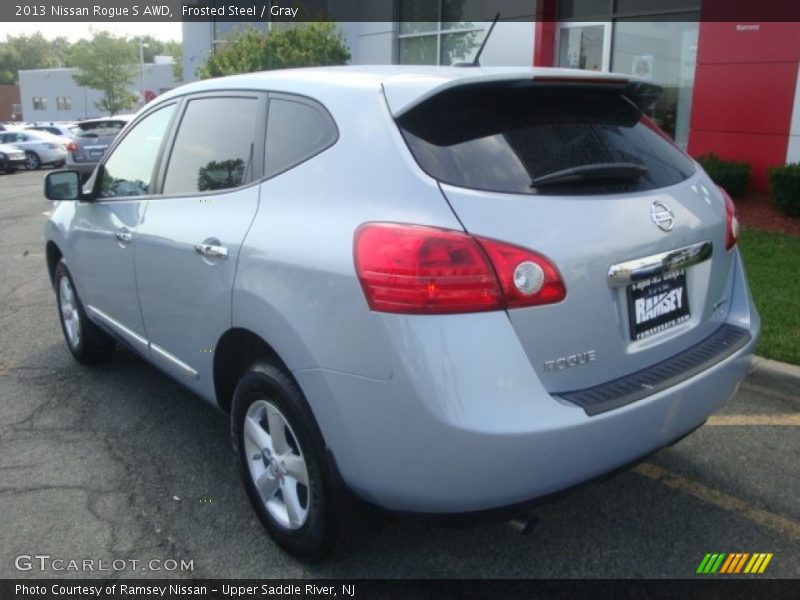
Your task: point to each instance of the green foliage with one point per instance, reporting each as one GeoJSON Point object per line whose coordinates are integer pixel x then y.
{"type": "Point", "coordinates": [30, 52]}
{"type": "Point", "coordinates": [784, 183]}
{"type": "Point", "coordinates": [301, 45]}
{"type": "Point", "coordinates": [35, 52]}
{"type": "Point", "coordinates": [733, 176]}
{"type": "Point", "coordinates": [774, 277]}
{"type": "Point", "coordinates": [106, 63]}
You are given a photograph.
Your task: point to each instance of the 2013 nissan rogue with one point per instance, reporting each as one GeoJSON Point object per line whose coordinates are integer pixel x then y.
{"type": "Point", "coordinates": [444, 290]}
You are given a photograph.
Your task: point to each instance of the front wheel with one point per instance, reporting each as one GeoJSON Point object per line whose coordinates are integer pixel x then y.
{"type": "Point", "coordinates": [282, 462]}
{"type": "Point", "coordinates": [88, 343]}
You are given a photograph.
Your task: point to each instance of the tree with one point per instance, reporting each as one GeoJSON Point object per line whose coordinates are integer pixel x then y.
{"type": "Point", "coordinates": [29, 52]}
{"type": "Point", "coordinates": [300, 45]}
{"type": "Point", "coordinates": [107, 63]}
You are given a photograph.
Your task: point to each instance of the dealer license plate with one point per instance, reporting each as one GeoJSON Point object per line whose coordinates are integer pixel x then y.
{"type": "Point", "coordinates": [657, 303]}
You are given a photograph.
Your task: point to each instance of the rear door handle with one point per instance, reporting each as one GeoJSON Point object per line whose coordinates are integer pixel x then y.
{"type": "Point", "coordinates": [211, 250]}
{"type": "Point", "coordinates": [124, 235]}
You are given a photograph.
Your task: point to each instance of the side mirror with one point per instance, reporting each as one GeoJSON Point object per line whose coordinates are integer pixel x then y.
{"type": "Point", "coordinates": [62, 185]}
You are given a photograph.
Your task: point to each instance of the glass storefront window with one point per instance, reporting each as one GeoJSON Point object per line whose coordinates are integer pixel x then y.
{"type": "Point", "coordinates": [666, 52]}
{"type": "Point", "coordinates": [640, 6]}
{"type": "Point", "coordinates": [581, 47]}
{"type": "Point", "coordinates": [433, 32]}
{"type": "Point", "coordinates": [419, 50]}
{"type": "Point", "coordinates": [568, 9]}
{"type": "Point", "coordinates": [418, 16]}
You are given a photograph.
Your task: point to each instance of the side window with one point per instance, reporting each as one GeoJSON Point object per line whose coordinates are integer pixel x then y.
{"type": "Point", "coordinates": [295, 132]}
{"type": "Point", "coordinates": [129, 169]}
{"type": "Point", "coordinates": [213, 149]}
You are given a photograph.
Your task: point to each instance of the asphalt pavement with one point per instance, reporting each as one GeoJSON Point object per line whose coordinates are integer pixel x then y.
{"type": "Point", "coordinates": [119, 463]}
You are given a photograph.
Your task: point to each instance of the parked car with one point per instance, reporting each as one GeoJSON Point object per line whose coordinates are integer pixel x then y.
{"type": "Point", "coordinates": [434, 290]}
{"type": "Point", "coordinates": [11, 158]}
{"type": "Point", "coordinates": [90, 140]}
{"type": "Point", "coordinates": [41, 148]}
{"type": "Point", "coordinates": [64, 131]}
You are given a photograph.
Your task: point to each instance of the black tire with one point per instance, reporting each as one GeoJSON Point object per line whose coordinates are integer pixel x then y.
{"type": "Point", "coordinates": [93, 345]}
{"type": "Point", "coordinates": [10, 171]}
{"type": "Point", "coordinates": [32, 161]}
{"type": "Point", "coordinates": [316, 538]}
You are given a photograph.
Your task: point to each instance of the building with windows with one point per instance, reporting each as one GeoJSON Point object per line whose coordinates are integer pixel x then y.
{"type": "Point", "coordinates": [729, 87]}
{"type": "Point", "coordinates": [53, 94]}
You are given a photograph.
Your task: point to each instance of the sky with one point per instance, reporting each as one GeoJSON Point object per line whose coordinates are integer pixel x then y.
{"type": "Point", "coordinates": [76, 31]}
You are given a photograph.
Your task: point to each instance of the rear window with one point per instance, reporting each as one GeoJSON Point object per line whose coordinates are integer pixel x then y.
{"type": "Point", "coordinates": [99, 129]}
{"type": "Point", "coordinates": [512, 139]}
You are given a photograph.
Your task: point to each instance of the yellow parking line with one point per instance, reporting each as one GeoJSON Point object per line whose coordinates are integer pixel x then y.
{"type": "Point", "coordinates": [787, 420]}
{"type": "Point", "coordinates": [720, 500]}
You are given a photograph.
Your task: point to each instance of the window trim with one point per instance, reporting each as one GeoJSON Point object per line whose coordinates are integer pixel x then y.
{"type": "Point", "coordinates": [95, 181]}
{"type": "Point", "coordinates": [311, 103]}
{"type": "Point", "coordinates": [257, 168]}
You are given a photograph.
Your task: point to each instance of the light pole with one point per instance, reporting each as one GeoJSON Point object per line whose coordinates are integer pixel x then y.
{"type": "Point", "coordinates": [142, 46]}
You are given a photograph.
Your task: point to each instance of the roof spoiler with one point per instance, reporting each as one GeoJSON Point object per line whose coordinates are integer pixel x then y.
{"type": "Point", "coordinates": [415, 91]}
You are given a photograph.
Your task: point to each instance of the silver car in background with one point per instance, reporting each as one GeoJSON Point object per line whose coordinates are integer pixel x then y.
{"type": "Point", "coordinates": [430, 290]}
{"type": "Point", "coordinates": [11, 158]}
{"type": "Point", "coordinates": [40, 148]}
{"type": "Point", "coordinates": [90, 140]}
{"type": "Point", "coordinates": [62, 130]}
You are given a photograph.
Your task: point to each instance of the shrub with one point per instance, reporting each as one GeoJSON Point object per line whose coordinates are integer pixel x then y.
{"type": "Point", "coordinates": [732, 175]}
{"type": "Point", "coordinates": [784, 183]}
{"type": "Point", "coordinates": [247, 50]}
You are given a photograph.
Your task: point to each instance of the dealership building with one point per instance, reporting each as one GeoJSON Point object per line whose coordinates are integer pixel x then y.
{"type": "Point", "coordinates": [729, 87]}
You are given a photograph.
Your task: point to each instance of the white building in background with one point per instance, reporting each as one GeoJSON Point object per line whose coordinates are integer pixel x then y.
{"type": "Point", "coordinates": [53, 94]}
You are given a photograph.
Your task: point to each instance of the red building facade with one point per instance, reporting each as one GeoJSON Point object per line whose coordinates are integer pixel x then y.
{"type": "Point", "coordinates": [730, 87]}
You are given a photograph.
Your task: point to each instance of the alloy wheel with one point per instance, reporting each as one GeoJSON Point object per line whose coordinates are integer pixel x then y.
{"type": "Point", "coordinates": [277, 465]}
{"type": "Point", "coordinates": [68, 307]}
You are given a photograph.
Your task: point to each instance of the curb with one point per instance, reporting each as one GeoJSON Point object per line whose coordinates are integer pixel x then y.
{"type": "Point", "coordinates": [780, 377]}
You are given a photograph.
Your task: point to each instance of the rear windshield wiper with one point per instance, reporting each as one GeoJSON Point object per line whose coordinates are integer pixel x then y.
{"type": "Point", "coordinates": [618, 171]}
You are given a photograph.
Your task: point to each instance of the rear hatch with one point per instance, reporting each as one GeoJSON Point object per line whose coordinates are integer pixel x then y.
{"type": "Point", "coordinates": [92, 139]}
{"type": "Point", "coordinates": [574, 170]}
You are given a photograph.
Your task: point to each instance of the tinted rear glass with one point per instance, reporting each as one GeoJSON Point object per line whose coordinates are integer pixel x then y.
{"type": "Point", "coordinates": [499, 138]}
{"type": "Point", "coordinates": [99, 129]}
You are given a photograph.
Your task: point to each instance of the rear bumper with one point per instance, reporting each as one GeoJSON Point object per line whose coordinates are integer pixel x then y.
{"type": "Point", "coordinates": [84, 168]}
{"type": "Point", "coordinates": [52, 156]}
{"type": "Point", "coordinates": [465, 425]}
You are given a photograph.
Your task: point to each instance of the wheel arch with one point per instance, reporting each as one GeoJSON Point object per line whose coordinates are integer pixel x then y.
{"type": "Point", "coordinates": [53, 254]}
{"type": "Point", "coordinates": [236, 350]}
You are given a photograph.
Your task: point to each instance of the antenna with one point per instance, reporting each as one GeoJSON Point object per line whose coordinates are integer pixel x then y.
{"type": "Point", "coordinates": [476, 61]}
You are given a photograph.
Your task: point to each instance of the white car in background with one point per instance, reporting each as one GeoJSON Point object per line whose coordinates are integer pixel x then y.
{"type": "Point", "coordinates": [40, 147]}
{"type": "Point", "coordinates": [62, 130]}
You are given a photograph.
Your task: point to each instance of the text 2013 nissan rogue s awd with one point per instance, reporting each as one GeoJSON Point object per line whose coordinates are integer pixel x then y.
{"type": "Point", "coordinates": [444, 290]}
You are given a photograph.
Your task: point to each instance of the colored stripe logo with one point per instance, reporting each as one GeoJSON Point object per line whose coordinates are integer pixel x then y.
{"type": "Point", "coordinates": [735, 562]}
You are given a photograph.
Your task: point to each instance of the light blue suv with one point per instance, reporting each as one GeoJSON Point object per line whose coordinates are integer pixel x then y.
{"type": "Point", "coordinates": [435, 290]}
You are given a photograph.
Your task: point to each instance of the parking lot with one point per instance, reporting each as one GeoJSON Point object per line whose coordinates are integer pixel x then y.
{"type": "Point", "coordinates": [119, 462]}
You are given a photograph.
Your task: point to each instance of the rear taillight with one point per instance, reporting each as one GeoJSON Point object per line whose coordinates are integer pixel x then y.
{"type": "Point", "coordinates": [526, 277]}
{"type": "Point", "coordinates": [731, 222]}
{"type": "Point", "coordinates": [71, 146]}
{"type": "Point", "coordinates": [425, 270]}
